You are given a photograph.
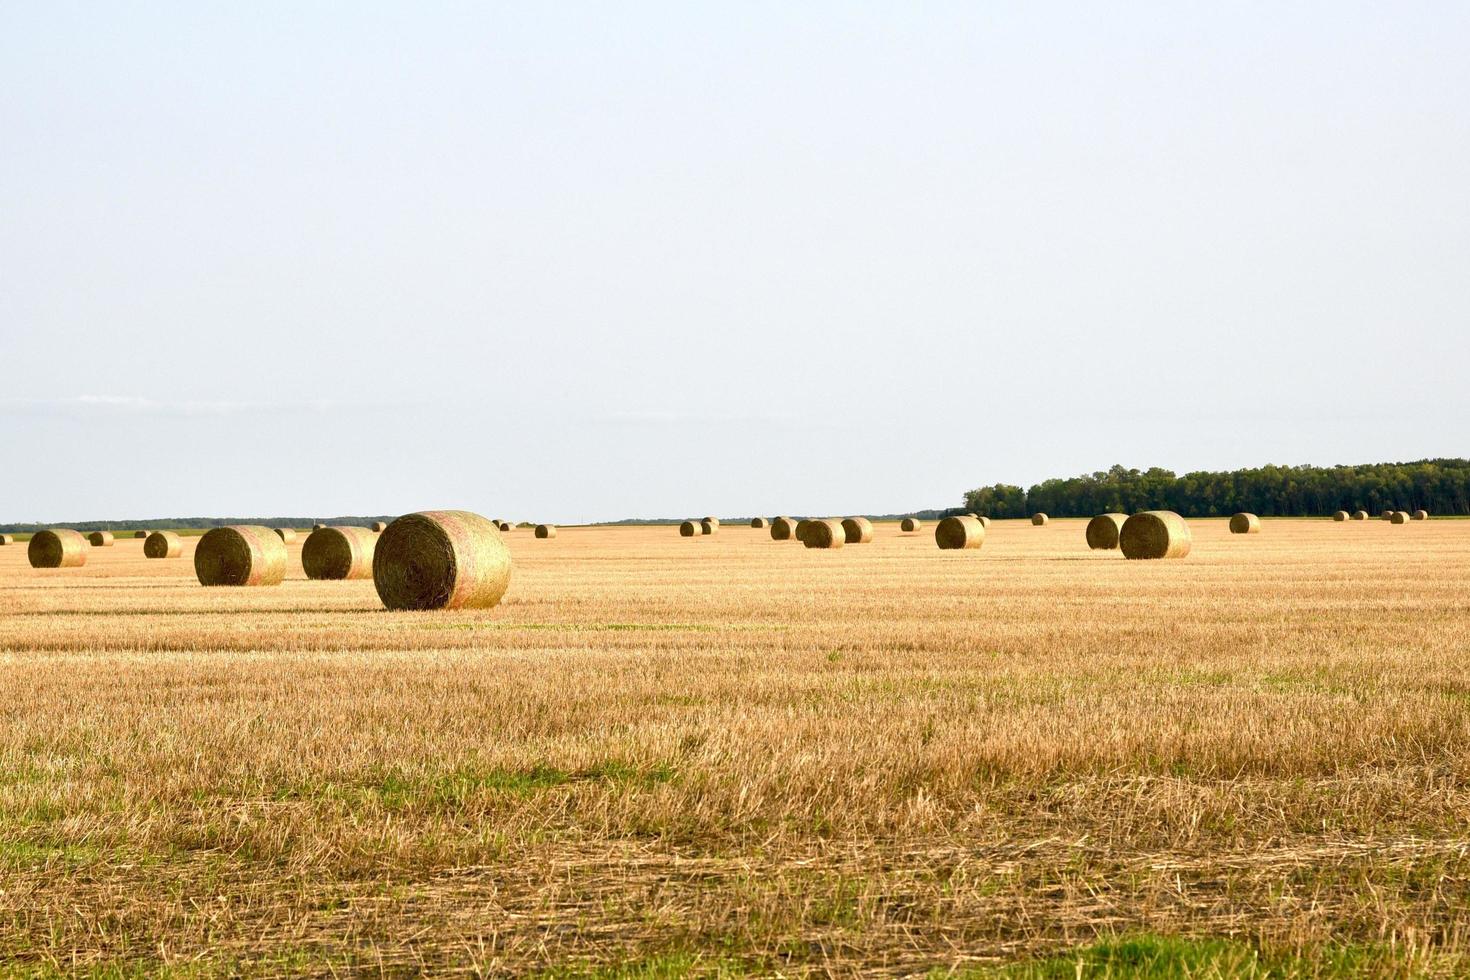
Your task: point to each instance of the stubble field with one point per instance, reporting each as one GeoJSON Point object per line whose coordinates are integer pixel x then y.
{"type": "Point", "coordinates": [733, 755]}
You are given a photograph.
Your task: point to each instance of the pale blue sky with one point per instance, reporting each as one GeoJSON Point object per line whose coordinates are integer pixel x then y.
{"type": "Point", "coordinates": [579, 261]}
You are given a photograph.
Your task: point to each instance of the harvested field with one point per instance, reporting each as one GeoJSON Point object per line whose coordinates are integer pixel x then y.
{"type": "Point", "coordinates": [745, 757]}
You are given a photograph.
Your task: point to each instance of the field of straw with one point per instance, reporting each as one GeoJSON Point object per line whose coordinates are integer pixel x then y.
{"type": "Point", "coordinates": [729, 755]}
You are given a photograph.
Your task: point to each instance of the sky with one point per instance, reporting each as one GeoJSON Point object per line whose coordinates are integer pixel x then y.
{"type": "Point", "coordinates": [587, 261]}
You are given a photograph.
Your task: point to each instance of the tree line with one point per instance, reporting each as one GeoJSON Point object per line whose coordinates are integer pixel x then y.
{"type": "Point", "coordinates": [1440, 486]}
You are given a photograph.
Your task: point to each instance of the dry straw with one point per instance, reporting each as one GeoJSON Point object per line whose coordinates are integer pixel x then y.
{"type": "Point", "coordinates": [783, 529]}
{"type": "Point", "coordinates": [379, 527]}
{"type": "Point", "coordinates": [1341, 515]}
{"type": "Point", "coordinates": [957, 533]}
{"type": "Point", "coordinates": [1360, 515]}
{"type": "Point", "coordinates": [143, 535]}
{"type": "Point", "coordinates": [689, 529]}
{"type": "Point", "coordinates": [163, 544]}
{"type": "Point", "coordinates": [286, 534]}
{"type": "Point", "coordinates": [443, 559]}
{"type": "Point", "coordinates": [545, 530]}
{"type": "Point", "coordinates": [759, 522]}
{"type": "Point", "coordinates": [857, 530]}
{"type": "Point", "coordinates": [1039, 519]}
{"type": "Point", "coordinates": [7, 539]}
{"type": "Point", "coordinates": [1399, 517]}
{"type": "Point", "coordinates": [1103, 531]}
{"type": "Point", "coordinates": [1421, 515]}
{"type": "Point", "coordinates": [1155, 534]}
{"type": "Point", "coordinates": [1244, 523]}
{"type": "Point", "coordinates": [824, 534]}
{"type": "Point", "coordinates": [100, 539]}
{"type": "Point", "coordinates": [57, 548]}
{"type": "Point", "coordinates": [240, 554]}
{"type": "Point", "coordinates": [338, 553]}
{"type": "Point", "coordinates": [708, 526]}
{"type": "Point", "coordinates": [910, 524]}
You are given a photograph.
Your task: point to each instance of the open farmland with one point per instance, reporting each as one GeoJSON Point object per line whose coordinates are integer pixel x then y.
{"type": "Point", "coordinates": [729, 754]}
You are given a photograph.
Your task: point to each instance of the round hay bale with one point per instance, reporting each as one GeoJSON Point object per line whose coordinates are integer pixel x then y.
{"type": "Point", "coordinates": [339, 553]}
{"type": "Point", "coordinates": [1399, 517]}
{"type": "Point", "coordinates": [286, 534]}
{"type": "Point", "coordinates": [379, 527]}
{"type": "Point", "coordinates": [141, 535]}
{"type": "Point", "coordinates": [824, 534]}
{"type": "Point", "coordinates": [240, 554]}
{"type": "Point", "coordinates": [545, 530]}
{"type": "Point", "coordinates": [689, 529]}
{"type": "Point", "coordinates": [6, 539]}
{"type": "Point", "coordinates": [708, 526]}
{"type": "Point", "coordinates": [857, 530]}
{"type": "Point", "coordinates": [1039, 519]}
{"type": "Point", "coordinates": [783, 529]}
{"type": "Point", "coordinates": [1340, 516]}
{"type": "Point", "coordinates": [442, 559]}
{"type": "Point", "coordinates": [317, 527]}
{"type": "Point", "coordinates": [957, 533]}
{"type": "Point", "coordinates": [801, 527]}
{"type": "Point", "coordinates": [984, 521]}
{"type": "Point", "coordinates": [713, 520]}
{"type": "Point", "coordinates": [1421, 515]}
{"type": "Point", "coordinates": [1155, 534]}
{"type": "Point", "coordinates": [759, 522]}
{"type": "Point", "coordinates": [1360, 515]}
{"type": "Point", "coordinates": [100, 539]}
{"type": "Point", "coordinates": [1387, 515]}
{"type": "Point", "coordinates": [1103, 531]}
{"type": "Point", "coordinates": [163, 544]}
{"type": "Point", "coordinates": [910, 524]}
{"type": "Point", "coordinates": [57, 548]}
{"type": "Point", "coordinates": [506, 526]}
{"type": "Point", "coordinates": [1244, 523]}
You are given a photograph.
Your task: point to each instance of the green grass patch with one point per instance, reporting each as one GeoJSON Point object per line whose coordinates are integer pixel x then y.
{"type": "Point", "coordinates": [662, 966]}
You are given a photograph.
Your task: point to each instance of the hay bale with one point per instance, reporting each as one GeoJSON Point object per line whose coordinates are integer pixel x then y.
{"type": "Point", "coordinates": [801, 527]}
{"type": "Point", "coordinates": [713, 520]}
{"type": "Point", "coordinates": [783, 529]}
{"type": "Point", "coordinates": [505, 526]}
{"type": "Point", "coordinates": [100, 539]}
{"type": "Point", "coordinates": [1039, 519]}
{"type": "Point", "coordinates": [1421, 515]}
{"type": "Point", "coordinates": [141, 535]}
{"type": "Point", "coordinates": [1340, 516]}
{"type": "Point", "coordinates": [1360, 515]}
{"type": "Point", "coordinates": [689, 529]}
{"type": "Point", "coordinates": [286, 534]}
{"type": "Point", "coordinates": [240, 554]}
{"type": "Point", "coordinates": [708, 526]}
{"type": "Point", "coordinates": [910, 524]}
{"type": "Point", "coordinates": [317, 527]}
{"type": "Point", "coordinates": [57, 548]}
{"type": "Point", "coordinates": [1244, 523]}
{"type": "Point", "coordinates": [1155, 534]}
{"type": "Point", "coordinates": [339, 553]}
{"type": "Point", "coordinates": [1103, 531]}
{"type": "Point", "coordinates": [758, 522]}
{"type": "Point", "coordinates": [824, 534]}
{"type": "Point", "coordinates": [984, 521]}
{"type": "Point", "coordinates": [1387, 515]}
{"type": "Point", "coordinates": [6, 539]}
{"type": "Point", "coordinates": [958, 533]}
{"type": "Point", "coordinates": [857, 530]}
{"type": "Point", "coordinates": [163, 544]}
{"type": "Point", "coordinates": [443, 559]}
{"type": "Point", "coordinates": [545, 530]}
{"type": "Point", "coordinates": [1399, 517]}
{"type": "Point", "coordinates": [378, 527]}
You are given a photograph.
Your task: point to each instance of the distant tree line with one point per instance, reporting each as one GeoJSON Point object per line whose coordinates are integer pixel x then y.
{"type": "Point", "coordinates": [1440, 486]}
{"type": "Point", "coordinates": [170, 523]}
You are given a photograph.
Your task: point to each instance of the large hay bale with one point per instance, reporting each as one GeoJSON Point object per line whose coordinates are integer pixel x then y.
{"type": "Point", "coordinates": [443, 559]}
{"type": "Point", "coordinates": [1039, 519]}
{"type": "Point", "coordinates": [1155, 534]}
{"type": "Point", "coordinates": [1360, 515]}
{"type": "Point", "coordinates": [288, 534]}
{"type": "Point", "coordinates": [1244, 523]}
{"type": "Point", "coordinates": [6, 539]}
{"type": "Point", "coordinates": [957, 533]}
{"type": "Point", "coordinates": [1421, 515]}
{"type": "Point", "coordinates": [378, 527]}
{"type": "Point", "coordinates": [545, 530]}
{"type": "Point", "coordinates": [689, 529]}
{"type": "Point", "coordinates": [240, 554]}
{"type": "Point", "coordinates": [339, 553]}
{"type": "Point", "coordinates": [100, 539]}
{"type": "Point", "coordinates": [758, 522]}
{"type": "Point", "coordinates": [1399, 517]}
{"type": "Point", "coordinates": [141, 535]}
{"type": "Point", "coordinates": [708, 526]}
{"type": "Point", "coordinates": [824, 534]}
{"type": "Point", "coordinates": [163, 544]}
{"type": "Point", "coordinates": [1340, 516]}
{"type": "Point", "coordinates": [57, 548]}
{"type": "Point", "coordinates": [801, 527]}
{"type": "Point", "coordinates": [783, 529]}
{"type": "Point", "coordinates": [857, 530]}
{"type": "Point", "coordinates": [910, 524]}
{"type": "Point", "coordinates": [1103, 531]}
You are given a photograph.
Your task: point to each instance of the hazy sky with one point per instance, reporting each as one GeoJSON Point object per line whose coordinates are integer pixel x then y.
{"type": "Point", "coordinates": [576, 261]}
